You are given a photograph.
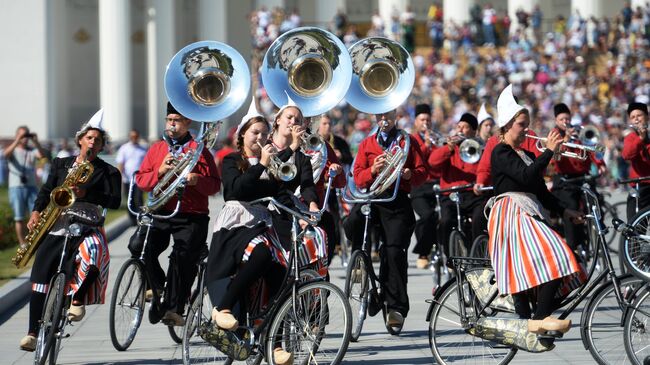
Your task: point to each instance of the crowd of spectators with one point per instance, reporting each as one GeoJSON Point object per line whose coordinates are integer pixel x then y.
{"type": "Point", "coordinates": [594, 65]}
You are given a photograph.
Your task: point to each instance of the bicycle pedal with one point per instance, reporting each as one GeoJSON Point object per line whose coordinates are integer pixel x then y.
{"type": "Point", "coordinates": [550, 335]}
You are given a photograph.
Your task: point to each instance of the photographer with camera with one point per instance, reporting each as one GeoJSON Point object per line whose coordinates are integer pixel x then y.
{"type": "Point", "coordinates": [21, 158]}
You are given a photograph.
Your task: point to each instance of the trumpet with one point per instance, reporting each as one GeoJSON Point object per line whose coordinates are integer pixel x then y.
{"type": "Point", "coordinates": [312, 142]}
{"type": "Point", "coordinates": [582, 155]}
{"type": "Point", "coordinates": [436, 138]}
{"type": "Point", "coordinates": [284, 171]}
{"type": "Point", "coordinates": [589, 135]}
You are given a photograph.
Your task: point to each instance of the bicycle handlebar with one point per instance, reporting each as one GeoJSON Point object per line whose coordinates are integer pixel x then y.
{"type": "Point", "coordinates": [580, 179]}
{"type": "Point", "coordinates": [437, 190]}
{"type": "Point", "coordinates": [143, 209]}
{"type": "Point", "coordinates": [635, 180]}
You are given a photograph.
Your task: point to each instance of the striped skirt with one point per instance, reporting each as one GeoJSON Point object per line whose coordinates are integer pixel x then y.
{"type": "Point", "coordinates": [526, 252]}
{"type": "Point", "coordinates": [93, 251]}
{"type": "Point", "coordinates": [312, 253]}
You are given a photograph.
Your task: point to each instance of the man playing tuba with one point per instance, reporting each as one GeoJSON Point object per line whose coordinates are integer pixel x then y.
{"type": "Point", "coordinates": [397, 218]}
{"type": "Point", "coordinates": [189, 227]}
{"type": "Point", "coordinates": [88, 265]}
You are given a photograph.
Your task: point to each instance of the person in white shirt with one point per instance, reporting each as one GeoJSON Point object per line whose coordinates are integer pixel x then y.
{"type": "Point", "coordinates": [128, 159]}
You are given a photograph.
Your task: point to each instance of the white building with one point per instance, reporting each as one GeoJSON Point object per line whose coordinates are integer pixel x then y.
{"type": "Point", "coordinates": [64, 59]}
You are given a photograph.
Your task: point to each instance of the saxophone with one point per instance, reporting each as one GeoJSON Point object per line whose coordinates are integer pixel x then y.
{"type": "Point", "coordinates": [61, 198]}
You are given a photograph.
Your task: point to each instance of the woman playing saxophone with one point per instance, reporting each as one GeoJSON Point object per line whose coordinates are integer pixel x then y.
{"type": "Point", "coordinates": [88, 266]}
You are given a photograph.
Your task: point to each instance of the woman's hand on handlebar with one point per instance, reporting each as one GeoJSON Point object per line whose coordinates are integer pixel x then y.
{"type": "Point", "coordinates": [575, 216]}
{"type": "Point", "coordinates": [313, 207]}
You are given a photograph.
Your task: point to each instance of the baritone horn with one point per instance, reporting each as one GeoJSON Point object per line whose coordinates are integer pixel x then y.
{"type": "Point", "coordinates": [581, 154]}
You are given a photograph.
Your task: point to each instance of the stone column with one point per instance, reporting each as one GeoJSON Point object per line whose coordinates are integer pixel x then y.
{"type": "Point", "coordinates": [589, 8]}
{"type": "Point", "coordinates": [160, 49]}
{"type": "Point", "coordinates": [457, 10]}
{"type": "Point", "coordinates": [115, 67]}
{"type": "Point", "coordinates": [386, 9]}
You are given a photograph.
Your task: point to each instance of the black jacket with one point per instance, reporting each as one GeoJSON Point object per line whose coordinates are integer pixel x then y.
{"type": "Point", "coordinates": [103, 188]}
{"type": "Point", "coordinates": [510, 174]}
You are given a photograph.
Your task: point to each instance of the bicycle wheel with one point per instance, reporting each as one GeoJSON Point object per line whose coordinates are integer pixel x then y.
{"type": "Point", "coordinates": [480, 247]}
{"type": "Point", "coordinates": [448, 340]}
{"type": "Point", "coordinates": [457, 244]}
{"type": "Point", "coordinates": [636, 249]}
{"type": "Point", "coordinates": [637, 322]}
{"type": "Point", "coordinates": [47, 342]}
{"type": "Point", "coordinates": [195, 349]}
{"type": "Point", "coordinates": [601, 322]}
{"type": "Point", "coordinates": [356, 290]}
{"type": "Point", "coordinates": [307, 329]}
{"type": "Point", "coordinates": [127, 304]}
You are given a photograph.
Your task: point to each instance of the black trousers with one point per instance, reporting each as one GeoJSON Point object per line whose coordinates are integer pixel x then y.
{"type": "Point", "coordinates": [571, 195]}
{"type": "Point", "coordinates": [397, 222]}
{"type": "Point", "coordinates": [470, 206]}
{"type": "Point", "coordinates": [644, 201]}
{"type": "Point", "coordinates": [424, 203]}
{"type": "Point", "coordinates": [189, 232]}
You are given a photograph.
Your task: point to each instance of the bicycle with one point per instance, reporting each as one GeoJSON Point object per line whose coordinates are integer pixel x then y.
{"type": "Point", "coordinates": [54, 319]}
{"type": "Point", "coordinates": [469, 321]}
{"type": "Point", "coordinates": [132, 281]}
{"type": "Point", "coordinates": [297, 318]}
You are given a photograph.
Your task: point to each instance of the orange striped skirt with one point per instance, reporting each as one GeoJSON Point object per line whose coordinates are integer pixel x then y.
{"type": "Point", "coordinates": [526, 252]}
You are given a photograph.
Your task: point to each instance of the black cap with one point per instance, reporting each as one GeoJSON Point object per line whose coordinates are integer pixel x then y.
{"type": "Point", "coordinates": [470, 119]}
{"type": "Point", "coordinates": [422, 109]}
{"type": "Point", "coordinates": [561, 108]}
{"type": "Point", "coordinates": [171, 109]}
{"type": "Point", "coordinates": [640, 106]}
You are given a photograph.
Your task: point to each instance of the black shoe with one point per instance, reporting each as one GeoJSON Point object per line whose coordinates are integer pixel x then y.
{"type": "Point", "coordinates": [154, 314]}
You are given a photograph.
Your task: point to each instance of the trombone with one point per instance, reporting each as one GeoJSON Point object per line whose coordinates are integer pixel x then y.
{"type": "Point", "coordinates": [582, 154]}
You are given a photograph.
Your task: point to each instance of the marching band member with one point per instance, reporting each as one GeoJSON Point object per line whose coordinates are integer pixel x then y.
{"type": "Point", "coordinates": [526, 253]}
{"type": "Point", "coordinates": [567, 167]}
{"type": "Point", "coordinates": [423, 198]}
{"type": "Point", "coordinates": [397, 218]}
{"type": "Point", "coordinates": [189, 227]}
{"type": "Point", "coordinates": [454, 172]}
{"type": "Point", "coordinates": [242, 234]}
{"type": "Point", "coordinates": [89, 264]}
{"type": "Point", "coordinates": [327, 222]}
{"type": "Point", "coordinates": [485, 124]}
{"type": "Point", "coordinates": [636, 150]}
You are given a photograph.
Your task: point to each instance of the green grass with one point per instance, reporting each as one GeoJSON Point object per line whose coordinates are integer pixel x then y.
{"type": "Point", "coordinates": [7, 270]}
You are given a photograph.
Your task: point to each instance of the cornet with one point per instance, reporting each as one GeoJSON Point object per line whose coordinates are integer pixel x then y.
{"type": "Point", "coordinates": [284, 171]}
{"type": "Point", "coordinates": [582, 155]}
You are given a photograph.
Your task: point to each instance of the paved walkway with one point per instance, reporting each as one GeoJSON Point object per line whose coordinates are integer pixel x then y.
{"type": "Point", "coordinates": [90, 341]}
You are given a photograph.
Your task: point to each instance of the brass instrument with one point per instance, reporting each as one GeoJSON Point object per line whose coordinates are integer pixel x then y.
{"type": "Point", "coordinates": [383, 76]}
{"type": "Point", "coordinates": [284, 171]}
{"type": "Point", "coordinates": [205, 81]}
{"type": "Point", "coordinates": [582, 155]}
{"type": "Point", "coordinates": [311, 66]}
{"type": "Point", "coordinates": [470, 150]}
{"type": "Point", "coordinates": [314, 147]}
{"type": "Point", "coordinates": [61, 197]}
{"type": "Point", "coordinates": [589, 135]}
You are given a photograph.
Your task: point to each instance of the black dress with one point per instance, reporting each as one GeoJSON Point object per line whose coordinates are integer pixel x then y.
{"type": "Point", "coordinates": [228, 245]}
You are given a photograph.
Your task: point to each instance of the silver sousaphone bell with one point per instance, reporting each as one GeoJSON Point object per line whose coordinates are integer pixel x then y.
{"type": "Point", "coordinates": [310, 65]}
{"type": "Point", "coordinates": [382, 75]}
{"type": "Point", "coordinates": [206, 82]}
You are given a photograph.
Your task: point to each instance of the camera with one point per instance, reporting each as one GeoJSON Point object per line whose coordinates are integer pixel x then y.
{"type": "Point", "coordinates": [29, 135]}
{"type": "Point", "coordinates": [23, 179]}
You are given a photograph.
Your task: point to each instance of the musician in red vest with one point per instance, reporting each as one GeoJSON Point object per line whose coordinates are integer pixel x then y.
{"type": "Point", "coordinates": [422, 197]}
{"type": "Point", "coordinates": [396, 217]}
{"type": "Point", "coordinates": [567, 167]}
{"type": "Point", "coordinates": [636, 150]}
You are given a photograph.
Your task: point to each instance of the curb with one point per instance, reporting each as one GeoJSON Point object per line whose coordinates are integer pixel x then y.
{"type": "Point", "coordinates": [18, 289]}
